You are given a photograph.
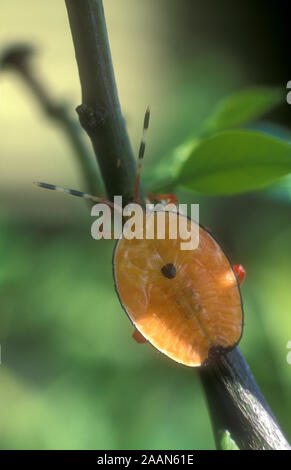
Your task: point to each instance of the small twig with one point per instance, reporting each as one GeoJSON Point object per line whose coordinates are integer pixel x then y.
{"type": "Point", "coordinates": [18, 58]}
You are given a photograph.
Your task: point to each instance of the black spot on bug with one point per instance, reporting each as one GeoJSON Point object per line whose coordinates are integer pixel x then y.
{"type": "Point", "coordinates": [169, 271]}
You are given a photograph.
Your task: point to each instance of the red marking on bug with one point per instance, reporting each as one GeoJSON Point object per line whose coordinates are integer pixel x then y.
{"type": "Point", "coordinates": [170, 198]}
{"type": "Point", "coordinates": [240, 272]}
{"type": "Point", "coordinates": [138, 337]}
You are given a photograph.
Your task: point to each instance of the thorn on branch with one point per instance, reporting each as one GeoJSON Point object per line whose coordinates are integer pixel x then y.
{"type": "Point", "coordinates": [91, 119]}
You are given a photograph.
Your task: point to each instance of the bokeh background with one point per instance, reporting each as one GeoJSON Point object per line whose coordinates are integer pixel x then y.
{"type": "Point", "coordinates": [71, 375]}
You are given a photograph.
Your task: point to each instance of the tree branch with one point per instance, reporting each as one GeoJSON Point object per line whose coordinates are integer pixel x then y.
{"type": "Point", "coordinates": [237, 405]}
{"type": "Point", "coordinates": [235, 402]}
{"type": "Point", "coordinates": [100, 112]}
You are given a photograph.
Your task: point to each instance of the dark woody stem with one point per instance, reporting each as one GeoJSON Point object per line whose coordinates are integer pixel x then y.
{"type": "Point", "coordinates": [100, 112]}
{"type": "Point", "coordinates": [237, 405]}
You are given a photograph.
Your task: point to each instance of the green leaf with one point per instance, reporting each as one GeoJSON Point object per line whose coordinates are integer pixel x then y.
{"type": "Point", "coordinates": [234, 162]}
{"type": "Point", "coordinates": [243, 107]}
{"type": "Point", "coordinates": [163, 175]}
{"type": "Point", "coordinates": [227, 443]}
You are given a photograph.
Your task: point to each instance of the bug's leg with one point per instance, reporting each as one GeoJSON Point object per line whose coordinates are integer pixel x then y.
{"type": "Point", "coordinates": [138, 337]}
{"type": "Point", "coordinates": [141, 154]}
{"type": "Point", "coordinates": [170, 198]}
{"type": "Point", "coordinates": [240, 272]}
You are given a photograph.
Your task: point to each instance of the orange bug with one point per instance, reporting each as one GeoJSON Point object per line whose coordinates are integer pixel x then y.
{"type": "Point", "coordinates": [183, 302]}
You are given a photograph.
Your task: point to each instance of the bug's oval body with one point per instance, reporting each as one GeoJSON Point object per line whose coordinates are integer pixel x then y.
{"type": "Point", "coordinates": [183, 302]}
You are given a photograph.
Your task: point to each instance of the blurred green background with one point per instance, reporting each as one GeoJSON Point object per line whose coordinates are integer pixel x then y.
{"type": "Point", "coordinates": [71, 375]}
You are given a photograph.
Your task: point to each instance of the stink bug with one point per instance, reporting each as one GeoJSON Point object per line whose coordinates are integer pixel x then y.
{"type": "Point", "coordinates": [183, 302]}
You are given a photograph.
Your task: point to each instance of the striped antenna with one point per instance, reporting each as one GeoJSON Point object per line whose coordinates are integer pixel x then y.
{"type": "Point", "coordinates": [74, 192]}
{"type": "Point", "coordinates": [141, 153]}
